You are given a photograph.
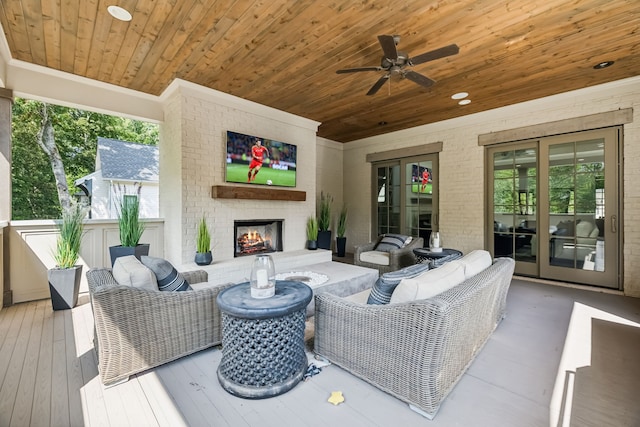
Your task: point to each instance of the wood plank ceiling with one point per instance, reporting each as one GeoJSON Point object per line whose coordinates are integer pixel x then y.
{"type": "Point", "coordinates": [285, 54]}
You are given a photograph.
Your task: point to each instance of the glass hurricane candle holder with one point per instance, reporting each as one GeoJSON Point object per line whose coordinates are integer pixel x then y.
{"type": "Point", "coordinates": [435, 242]}
{"type": "Point", "coordinates": [263, 277]}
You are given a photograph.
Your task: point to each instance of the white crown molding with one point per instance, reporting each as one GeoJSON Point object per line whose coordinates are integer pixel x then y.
{"type": "Point", "coordinates": [191, 89]}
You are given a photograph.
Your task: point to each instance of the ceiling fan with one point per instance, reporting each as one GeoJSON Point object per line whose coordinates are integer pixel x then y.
{"type": "Point", "coordinates": [395, 62]}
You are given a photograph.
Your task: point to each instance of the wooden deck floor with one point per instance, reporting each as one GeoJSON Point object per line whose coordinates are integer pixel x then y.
{"type": "Point", "coordinates": [48, 376]}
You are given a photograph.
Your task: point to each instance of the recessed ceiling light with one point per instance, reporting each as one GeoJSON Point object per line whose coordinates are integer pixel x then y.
{"type": "Point", "coordinates": [603, 64]}
{"type": "Point", "coordinates": [119, 13]}
{"type": "Point", "coordinates": [459, 95]}
{"type": "Point", "coordinates": [465, 102]}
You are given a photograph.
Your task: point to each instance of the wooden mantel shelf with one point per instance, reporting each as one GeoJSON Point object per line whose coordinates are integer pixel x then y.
{"type": "Point", "coordinates": [256, 193]}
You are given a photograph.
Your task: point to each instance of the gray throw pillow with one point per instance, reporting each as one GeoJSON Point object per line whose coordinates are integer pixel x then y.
{"type": "Point", "coordinates": [168, 277]}
{"type": "Point", "coordinates": [383, 288]}
{"type": "Point", "coordinates": [392, 241]}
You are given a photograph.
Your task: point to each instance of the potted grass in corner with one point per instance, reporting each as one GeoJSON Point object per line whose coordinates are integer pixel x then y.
{"type": "Point", "coordinates": [131, 229]}
{"type": "Point", "coordinates": [64, 279]}
{"type": "Point", "coordinates": [312, 233]}
{"type": "Point", "coordinates": [324, 221]}
{"type": "Point", "coordinates": [203, 244]}
{"type": "Point", "coordinates": [341, 240]}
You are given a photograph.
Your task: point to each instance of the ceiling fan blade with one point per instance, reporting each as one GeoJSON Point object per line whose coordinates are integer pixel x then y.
{"type": "Point", "coordinates": [388, 45]}
{"type": "Point", "coordinates": [452, 49]}
{"type": "Point", "coordinates": [378, 84]}
{"type": "Point", "coordinates": [419, 78]}
{"type": "Point", "coordinates": [357, 69]}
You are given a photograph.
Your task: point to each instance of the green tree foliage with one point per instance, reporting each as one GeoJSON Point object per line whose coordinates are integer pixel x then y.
{"type": "Point", "coordinates": [76, 132]}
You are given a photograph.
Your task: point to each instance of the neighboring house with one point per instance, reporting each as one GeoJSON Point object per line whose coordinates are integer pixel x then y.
{"type": "Point", "coordinates": [122, 168]}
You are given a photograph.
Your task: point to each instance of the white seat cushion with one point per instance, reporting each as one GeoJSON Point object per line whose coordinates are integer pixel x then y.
{"type": "Point", "coordinates": [360, 297]}
{"type": "Point", "coordinates": [429, 283]}
{"type": "Point", "coordinates": [128, 271]}
{"type": "Point", "coordinates": [375, 257]}
{"type": "Point", "coordinates": [474, 262]}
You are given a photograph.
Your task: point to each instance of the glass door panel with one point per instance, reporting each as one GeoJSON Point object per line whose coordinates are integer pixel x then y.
{"type": "Point", "coordinates": [513, 201]}
{"type": "Point", "coordinates": [582, 208]}
{"type": "Point", "coordinates": [388, 184]}
{"type": "Point", "coordinates": [419, 195]}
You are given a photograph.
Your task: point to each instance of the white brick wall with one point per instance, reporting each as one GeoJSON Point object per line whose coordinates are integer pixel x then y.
{"type": "Point", "coordinates": [195, 137]}
{"type": "Point", "coordinates": [462, 165]}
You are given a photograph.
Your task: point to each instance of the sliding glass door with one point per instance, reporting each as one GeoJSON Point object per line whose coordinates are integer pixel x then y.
{"type": "Point", "coordinates": [406, 196]}
{"type": "Point", "coordinates": [580, 218]}
{"type": "Point", "coordinates": [554, 206]}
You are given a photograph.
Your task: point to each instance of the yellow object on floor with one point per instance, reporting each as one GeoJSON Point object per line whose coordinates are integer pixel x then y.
{"type": "Point", "coordinates": [336, 397]}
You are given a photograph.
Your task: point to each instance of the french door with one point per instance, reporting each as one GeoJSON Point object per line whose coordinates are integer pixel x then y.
{"type": "Point", "coordinates": [554, 206]}
{"type": "Point", "coordinates": [406, 196]}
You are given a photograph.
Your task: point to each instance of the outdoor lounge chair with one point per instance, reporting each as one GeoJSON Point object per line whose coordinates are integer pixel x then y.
{"type": "Point", "coordinates": [137, 329]}
{"type": "Point", "coordinates": [386, 261]}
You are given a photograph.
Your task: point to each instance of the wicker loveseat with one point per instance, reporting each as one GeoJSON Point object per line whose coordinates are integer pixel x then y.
{"type": "Point", "coordinates": [137, 329]}
{"type": "Point", "coordinates": [415, 351]}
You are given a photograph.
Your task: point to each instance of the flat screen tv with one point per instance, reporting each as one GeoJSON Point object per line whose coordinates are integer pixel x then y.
{"type": "Point", "coordinates": [421, 179]}
{"type": "Point", "coordinates": [256, 160]}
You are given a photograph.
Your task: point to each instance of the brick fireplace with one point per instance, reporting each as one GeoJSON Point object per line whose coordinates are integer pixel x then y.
{"type": "Point", "coordinates": [257, 236]}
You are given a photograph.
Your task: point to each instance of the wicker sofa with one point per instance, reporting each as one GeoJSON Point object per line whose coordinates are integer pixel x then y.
{"type": "Point", "coordinates": [415, 351]}
{"type": "Point", "coordinates": [137, 329]}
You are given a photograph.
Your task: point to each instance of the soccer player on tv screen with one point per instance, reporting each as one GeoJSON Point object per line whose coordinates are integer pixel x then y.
{"type": "Point", "coordinates": [257, 157]}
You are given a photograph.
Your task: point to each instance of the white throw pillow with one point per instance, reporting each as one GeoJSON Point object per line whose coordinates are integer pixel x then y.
{"type": "Point", "coordinates": [375, 257]}
{"type": "Point", "coordinates": [129, 271]}
{"type": "Point", "coordinates": [474, 262]}
{"type": "Point", "coordinates": [429, 284]}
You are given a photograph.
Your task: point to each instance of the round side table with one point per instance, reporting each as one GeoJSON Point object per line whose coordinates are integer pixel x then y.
{"type": "Point", "coordinates": [263, 339]}
{"type": "Point", "coordinates": [436, 259]}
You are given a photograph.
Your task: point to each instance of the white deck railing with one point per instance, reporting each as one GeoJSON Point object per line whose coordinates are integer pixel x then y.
{"type": "Point", "coordinates": [28, 249]}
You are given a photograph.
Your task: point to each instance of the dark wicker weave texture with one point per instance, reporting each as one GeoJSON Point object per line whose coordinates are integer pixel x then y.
{"type": "Point", "coordinates": [415, 351]}
{"type": "Point", "coordinates": [138, 329]}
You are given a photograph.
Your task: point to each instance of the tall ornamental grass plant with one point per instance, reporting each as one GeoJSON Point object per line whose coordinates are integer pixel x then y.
{"type": "Point", "coordinates": [203, 241]}
{"type": "Point", "coordinates": [131, 228]}
{"type": "Point", "coordinates": [68, 243]}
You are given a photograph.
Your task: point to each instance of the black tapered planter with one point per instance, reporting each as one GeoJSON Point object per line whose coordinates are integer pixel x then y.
{"type": "Point", "coordinates": [64, 286]}
{"type": "Point", "coordinates": [118, 251]}
{"type": "Point", "coordinates": [203, 258]}
{"type": "Point", "coordinates": [324, 239]}
{"type": "Point", "coordinates": [341, 246]}
{"type": "Point", "coordinates": [312, 245]}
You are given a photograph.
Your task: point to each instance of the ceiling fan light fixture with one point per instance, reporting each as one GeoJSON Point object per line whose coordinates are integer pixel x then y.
{"type": "Point", "coordinates": [459, 95]}
{"type": "Point", "coordinates": [119, 13]}
{"type": "Point", "coordinates": [603, 64]}
{"type": "Point", "coordinates": [464, 102]}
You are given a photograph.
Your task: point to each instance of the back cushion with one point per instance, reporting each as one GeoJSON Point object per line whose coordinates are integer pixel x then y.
{"type": "Point", "coordinates": [392, 241]}
{"type": "Point", "coordinates": [168, 277]}
{"type": "Point", "coordinates": [429, 283]}
{"type": "Point", "coordinates": [128, 271]}
{"type": "Point", "coordinates": [386, 284]}
{"type": "Point", "coordinates": [474, 262]}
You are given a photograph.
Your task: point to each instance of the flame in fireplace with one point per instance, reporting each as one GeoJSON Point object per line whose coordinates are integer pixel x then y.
{"type": "Point", "coordinates": [256, 236]}
{"type": "Point", "coordinates": [252, 242]}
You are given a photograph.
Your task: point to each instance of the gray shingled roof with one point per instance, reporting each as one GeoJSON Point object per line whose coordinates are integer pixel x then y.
{"type": "Point", "coordinates": [128, 160]}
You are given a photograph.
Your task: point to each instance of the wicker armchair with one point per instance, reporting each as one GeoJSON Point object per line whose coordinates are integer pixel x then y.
{"type": "Point", "coordinates": [398, 258]}
{"type": "Point", "coordinates": [415, 351]}
{"type": "Point", "coordinates": [137, 329]}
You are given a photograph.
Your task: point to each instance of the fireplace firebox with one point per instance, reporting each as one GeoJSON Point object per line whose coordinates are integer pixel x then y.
{"type": "Point", "coordinates": [257, 236]}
